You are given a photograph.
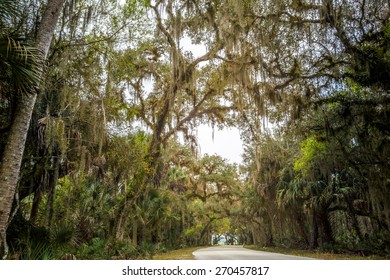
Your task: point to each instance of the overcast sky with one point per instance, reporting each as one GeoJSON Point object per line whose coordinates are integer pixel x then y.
{"type": "Point", "coordinates": [227, 143]}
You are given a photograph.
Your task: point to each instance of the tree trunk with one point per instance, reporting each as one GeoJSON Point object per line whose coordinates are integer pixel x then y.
{"type": "Point", "coordinates": [35, 206]}
{"type": "Point", "coordinates": [146, 233]}
{"type": "Point", "coordinates": [254, 234]}
{"type": "Point", "coordinates": [158, 231]}
{"type": "Point", "coordinates": [13, 151]}
{"type": "Point", "coordinates": [122, 221]}
{"type": "Point", "coordinates": [53, 178]}
{"type": "Point", "coordinates": [326, 226]}
{"type": "Point", "coordinates": [135, 233]}
{"type": "Point", "coordinates": [249, 238]}
{"type": "Point", "coordinates": [124, 215]}
{"type": "Point", "coordinates": [302, 228]}
{"type": "Point", "coordinates": [269, 233]}
{"type": "Point", "coordinates": [314, 243]}
{"type": "Point", "coordinates": [355, 223]}
{"type": "Point", "coordinates": [204, 230]}
{"type": "Point", "coordinates": [11, 162]}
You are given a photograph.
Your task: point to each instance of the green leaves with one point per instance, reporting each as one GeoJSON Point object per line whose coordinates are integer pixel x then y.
{"type": "Point", "coordinates": [22, 64]}
{"type": "Point", "coordinates": [8, 9]}
{"type": "Point", "coordinates": [312, 152]}
{"type": "Point", "coordinates": [371, 65]}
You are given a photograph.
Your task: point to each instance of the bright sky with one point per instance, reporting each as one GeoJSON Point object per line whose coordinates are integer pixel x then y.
{"type": "Point", "coordinates": [227, 143]}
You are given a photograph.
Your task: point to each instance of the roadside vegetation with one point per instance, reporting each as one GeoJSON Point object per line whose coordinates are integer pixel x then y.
{"type": "Point", "coordinates": [321, 255]}
{"type": "Point", "coordinates": [100, 106]}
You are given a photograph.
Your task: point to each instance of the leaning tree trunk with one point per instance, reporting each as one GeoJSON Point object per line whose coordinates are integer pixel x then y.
{"type": "Point", "coordinates": [205, 229]}
{"type": "Point", "coordinates": [124, 214]}
{"type": "Point", "coordinates": [122, 221]}
{"type": "Point", "coordinates": [13, 151]}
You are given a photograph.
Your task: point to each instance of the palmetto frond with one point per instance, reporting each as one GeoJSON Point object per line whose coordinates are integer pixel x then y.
{"type": "Point", "coordinates": [292, 192]}
{"type": "Point", "coordinates": [21, 64]}
{"type": "Point", "coordinates": [8, 8]}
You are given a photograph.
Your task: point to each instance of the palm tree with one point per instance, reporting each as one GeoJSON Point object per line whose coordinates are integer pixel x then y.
{"type": "Point", "coordinates": [20, 63]}
{"type": "Point", "coordinates": [291, 197]}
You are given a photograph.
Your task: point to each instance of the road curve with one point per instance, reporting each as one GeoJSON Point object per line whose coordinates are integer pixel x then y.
{"type": "Point", "coordinates": [239, 253]}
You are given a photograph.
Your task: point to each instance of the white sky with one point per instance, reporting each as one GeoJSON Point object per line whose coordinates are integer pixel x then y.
{"type": "Point", "coordinates": [227, 143]}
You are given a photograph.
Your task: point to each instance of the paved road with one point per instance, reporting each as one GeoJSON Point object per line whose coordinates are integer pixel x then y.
{"type": "Point", "coordinates": [239, 253]}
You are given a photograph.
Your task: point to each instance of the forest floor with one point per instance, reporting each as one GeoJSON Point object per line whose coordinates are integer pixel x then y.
{"type": "Point", "coordinates": [315, 254]}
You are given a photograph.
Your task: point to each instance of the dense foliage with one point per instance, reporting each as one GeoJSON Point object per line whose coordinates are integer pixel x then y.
{"type": "Point", "coordinates": [111, 167]}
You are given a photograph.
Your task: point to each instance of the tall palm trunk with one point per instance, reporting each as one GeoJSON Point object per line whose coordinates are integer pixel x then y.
{"type": "Point", "coordinates": [13, 152]}
{"type": "Point", "coordinates": [11, 162]}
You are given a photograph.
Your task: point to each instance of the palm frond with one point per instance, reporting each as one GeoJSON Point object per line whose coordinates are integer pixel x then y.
{"type": "Point", "coordinates": [23, 65]}
{"type": "Point", "coordinates": [8, 8]}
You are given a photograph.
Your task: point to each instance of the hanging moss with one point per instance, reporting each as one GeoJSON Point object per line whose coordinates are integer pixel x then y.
{"type": "Point", "coordinates": [372, 59]}
{"type": "Point", "coordinates": [55, 136]}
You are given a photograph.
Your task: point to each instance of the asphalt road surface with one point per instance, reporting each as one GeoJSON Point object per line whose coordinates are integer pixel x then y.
{"type": "Point", "coordinates": [240, 253]}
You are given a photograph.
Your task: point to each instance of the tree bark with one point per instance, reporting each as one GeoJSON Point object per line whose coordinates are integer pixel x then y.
{"type": "Point", "coordinates": [302, 228]}
{"type": "Point", "coordinates": [53, 178]}
{"type": "Point", "coordinates": [35, 206]}
{"type": "Point", "coordinates": [135, 233]}
{"type": "Point", "coordinates": [122, 221]}
{"type": "Point", "coordinates": [326, 226]}
{"type": "Point", "coordinates": [269, 232]}
{"type": "Point", "coordinates": [13, 151]}
{"type": "Point", "coordinates": [314, 243]}
{"type": "Point", "coordinates": [355, 223]}
{"type": "Point", "coordinates": [204, 230]}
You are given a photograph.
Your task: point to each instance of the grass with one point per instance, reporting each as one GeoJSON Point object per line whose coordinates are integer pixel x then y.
{"type": "Point", "coordinates": [180, 254]}
{"type": "Point", "coordinates": [314, 254]}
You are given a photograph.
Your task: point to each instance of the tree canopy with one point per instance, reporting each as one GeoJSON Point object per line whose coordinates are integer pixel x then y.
{"type": "Point", "coordinates": [111, 168]}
